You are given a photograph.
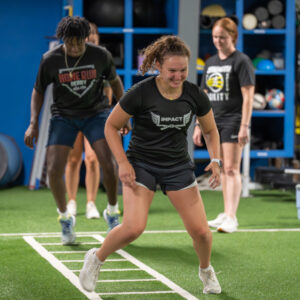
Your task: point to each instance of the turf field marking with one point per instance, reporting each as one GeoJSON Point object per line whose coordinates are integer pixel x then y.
{"type": "Point", "coordinates": [59, 244]}
{"type": "Point", "coordinates": [82, 260]}
{"type": "Point", "coordinates": [139, 293]}
{"type": "Point", "coordinates": [84, 234]}
{"type": "Point", "coordinates": [67, 252]}
{"type": "Point", "coordinates": [127, 280]}
{"type": "Point", "coordinates": [173, 286]}
{"type": "Point", "coordinates": [59, 266]}
{"type": "Point", "coordinates": [113, 270]}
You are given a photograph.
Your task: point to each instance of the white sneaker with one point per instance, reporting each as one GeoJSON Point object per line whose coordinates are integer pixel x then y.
{"type": "Point", "coordinates": [210, 281]}
{"type": "Point", "coordinates": [229, 225]}
{"type": "Point", "coordinates": [90, 271]}
{"type": "Point", "coordinates": [72, 207]}
{"type": "Point", "coordinates": [217, 221]}
{"type": "Point", "coordinates": [92, 211]}
{"type": "Point", "coordinates": [68, 235]}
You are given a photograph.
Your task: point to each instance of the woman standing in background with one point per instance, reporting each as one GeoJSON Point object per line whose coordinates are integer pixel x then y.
{"type": "Point", "coordinates": [229, 81]}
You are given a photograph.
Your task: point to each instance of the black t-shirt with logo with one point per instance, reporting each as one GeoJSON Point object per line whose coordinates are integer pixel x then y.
{"type": "Point", "coordinates": [159, 134]}
{"type": "Point", "coordinates": [81, 95]}
{"type": "Point", "coordinates": [223, 79]}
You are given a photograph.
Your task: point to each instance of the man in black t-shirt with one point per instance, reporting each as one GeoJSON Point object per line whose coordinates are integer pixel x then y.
{"type": "Point", "coordinates": [77, 71]}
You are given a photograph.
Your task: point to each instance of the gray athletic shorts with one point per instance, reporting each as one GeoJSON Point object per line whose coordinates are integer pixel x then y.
{"type": "Point", "coordinates": [174, 178]}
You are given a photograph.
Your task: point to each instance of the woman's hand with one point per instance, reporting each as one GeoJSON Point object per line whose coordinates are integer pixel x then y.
{"type": "Point", "coordinates": [127, 174]}
{"type": "Point", "coordinates": [197, 136]}
{"type": "Point", "coordinates": [215, 178]}
{"type": "Point", "coordinates": [125, 130]}
{"type": "Point", "coordinates": [243, 137]}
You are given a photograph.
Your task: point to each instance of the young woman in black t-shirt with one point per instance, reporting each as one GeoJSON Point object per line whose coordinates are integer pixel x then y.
{"type": "Point", "coordinates": [162, 109]}
{"type": "Point", "coordinates": [229, 80]}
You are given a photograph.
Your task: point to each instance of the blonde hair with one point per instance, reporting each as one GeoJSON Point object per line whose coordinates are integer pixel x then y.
{"type": "Point", "coordinates": [228, 25]}
{"type": "Point", "coordinates": [167, 45]}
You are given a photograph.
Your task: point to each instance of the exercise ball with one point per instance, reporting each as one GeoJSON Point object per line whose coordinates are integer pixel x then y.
{"type": "Point", "coordinates": [104, 13]}
{"type": "Point", "coordinates": [10, 160]}
{"type": "Point", "coordinates": [266, 65]}
{"type": "Point", "coordinates": [256, 60]}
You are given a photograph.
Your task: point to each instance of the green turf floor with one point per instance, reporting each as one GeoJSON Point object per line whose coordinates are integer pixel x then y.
{"type": "Point", "coordinates": [251, 265]}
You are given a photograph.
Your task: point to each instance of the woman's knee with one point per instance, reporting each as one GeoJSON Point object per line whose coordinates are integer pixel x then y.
{"type": "Point", "coordinates": [201, 233]}
{"type": "Point", "coordinates": [133, 232]}
{"type": "Point", "coordinates": [230, 171]}
{"type": "Point", "coordinates": [91, 162]}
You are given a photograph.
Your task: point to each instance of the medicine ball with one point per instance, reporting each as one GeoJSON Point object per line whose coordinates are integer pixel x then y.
{"type": "Point", "coordinates": [261, 13]}
{"type": "Point", "coordinates": [106, 13]}
{"type": "Point", "coordinates": [275, 7]}
{"type": "Point", "coordinates": [278, 22]}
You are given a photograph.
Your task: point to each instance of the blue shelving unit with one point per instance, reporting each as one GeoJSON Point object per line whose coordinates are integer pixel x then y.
{"type": "Point", "coordinates": [129, 33]}
{"type": "Point", "coordinates": [250, 39]}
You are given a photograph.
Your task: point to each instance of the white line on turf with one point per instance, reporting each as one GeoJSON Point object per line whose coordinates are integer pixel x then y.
{"type": "Point", "coordinates": [83, 234]}
{"type": "Point", "coordinates": [127, 280]}
{"type": "Point", "coordinates": [59, 266]}
{"type": "Point", "coordinates": [139, 293]}
{"type": "Point", "coordinates": [114, 270]}
{"type": "Point", "coordinates": [173, 286]}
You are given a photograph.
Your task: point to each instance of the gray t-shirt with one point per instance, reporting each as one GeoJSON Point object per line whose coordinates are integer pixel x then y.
{"type": "Point", "coordinates": [223, 79]}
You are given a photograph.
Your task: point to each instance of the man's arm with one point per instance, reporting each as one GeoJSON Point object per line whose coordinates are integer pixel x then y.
{"type": "Point", "coordinates": [32, 132]}
{"type": "Point", "coordinates": [117, 87]}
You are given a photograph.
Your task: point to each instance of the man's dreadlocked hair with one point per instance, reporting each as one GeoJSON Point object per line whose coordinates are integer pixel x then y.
{"type": "Point", "coordinates": [73, 27]}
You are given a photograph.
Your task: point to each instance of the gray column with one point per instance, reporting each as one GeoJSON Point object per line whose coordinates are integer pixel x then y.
{"type": "Point", "coordinates": [188, 30]}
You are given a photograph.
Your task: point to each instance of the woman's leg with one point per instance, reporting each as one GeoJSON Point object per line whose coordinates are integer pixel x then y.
{"type": "Point", "coordinates": [136, 207]}
{"type": "Point", "coordinates": [73, 168]}
{"type": "Point", "coordinates": [92, 177]}
{"type": "Point", "coordinates": [231, 177]}
{"type": "Point", "coordinates": [188, 203]}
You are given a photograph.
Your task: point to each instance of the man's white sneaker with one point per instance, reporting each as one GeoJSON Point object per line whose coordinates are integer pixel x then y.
{"type": "Point", "coordinates": [92, 211]}
{"type": "Point", "coordinates": [68, 235]}
{"type": "Point", "coordinates": [90, 271]}
{"type": "Point", "coordinates": [72, 207]}
{"type": "Point", "coordinates": [217, 221]}
{"type": "Point", "coordinates": [210, 281]}
{"type": "Point", "coordinates": [229, 225]}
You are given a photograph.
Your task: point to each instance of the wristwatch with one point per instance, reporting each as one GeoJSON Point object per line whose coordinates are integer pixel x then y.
{"type": "Point", "coordinates": [218, 161]}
